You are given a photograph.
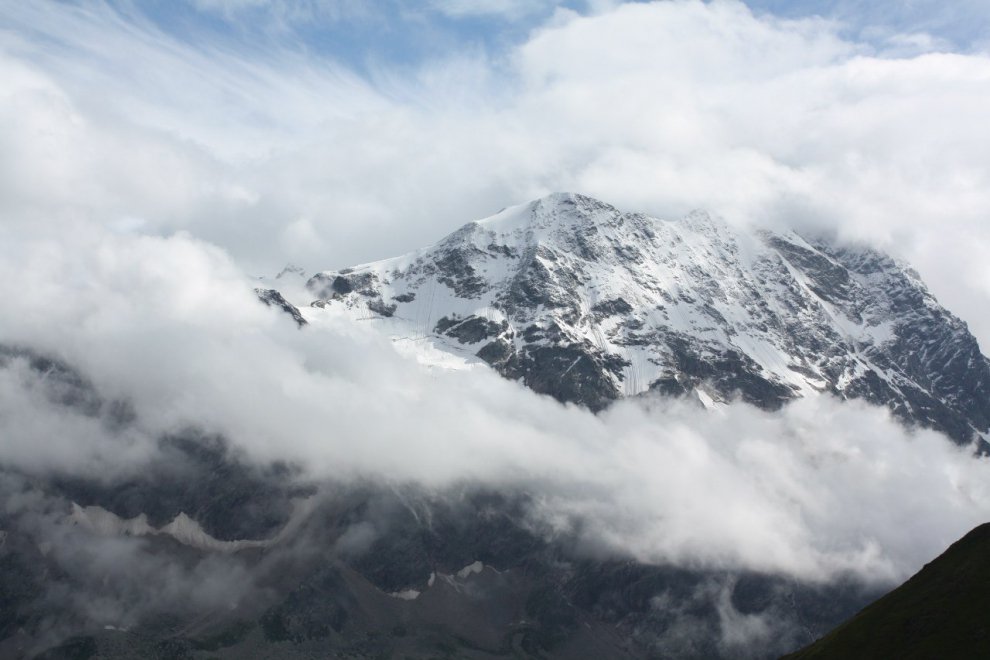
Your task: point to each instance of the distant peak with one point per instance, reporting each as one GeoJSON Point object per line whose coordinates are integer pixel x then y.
{"type": "Point", "coordinates": [291, 270]}
{"type": "Point", "coordinates": [563, 194]}
{"type": "Point", "coordinates": [571, 199]}
{"type": "Point", "coordinates": [550, 201]}
{"type": "Point", "coordinates": [556, 198]}
{"type": "Point", "coordinates": [701, 220]}
{"type": "Point", "coordinates": [553, 210]}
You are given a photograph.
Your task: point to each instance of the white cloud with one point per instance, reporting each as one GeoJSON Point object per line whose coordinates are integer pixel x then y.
{"type": "Point", "coordinates": [115, 136]}
{"type": "Point", "coordinates": [661, 107]}
{"type": "Point", "coordinates": [820, 489]}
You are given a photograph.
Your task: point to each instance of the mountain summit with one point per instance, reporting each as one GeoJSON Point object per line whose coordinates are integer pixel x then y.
{"type": "Point", "coordinates": [589, 304]}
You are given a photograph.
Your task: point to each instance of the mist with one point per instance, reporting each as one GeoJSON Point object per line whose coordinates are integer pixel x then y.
{"type": "Point", "coordinates": [147, 179]}
{"type": "Point", "coordinates": [822, 488]}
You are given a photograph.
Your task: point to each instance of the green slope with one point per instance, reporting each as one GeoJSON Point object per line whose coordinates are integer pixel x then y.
{"type": "Point", "coordinates": [941, 613]}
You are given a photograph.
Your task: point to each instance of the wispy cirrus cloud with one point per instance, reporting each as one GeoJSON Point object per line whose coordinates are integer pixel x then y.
{"type": "Point", "coordinates": [284, 154]}
{"type": "Point", "coordinates": [506, 9]}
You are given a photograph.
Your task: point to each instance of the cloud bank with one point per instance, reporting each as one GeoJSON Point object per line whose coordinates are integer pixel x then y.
{"type": "Point", "coordinates": [139, 193]}
{"type": "Point", "coordinates": [819, 490]}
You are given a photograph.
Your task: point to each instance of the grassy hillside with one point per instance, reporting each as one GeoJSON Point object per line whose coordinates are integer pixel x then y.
{"type": "Point", "coordinates": [941, 613]}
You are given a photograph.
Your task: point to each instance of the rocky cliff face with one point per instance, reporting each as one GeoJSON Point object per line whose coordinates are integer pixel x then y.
{"type": "Point", "coordinates": [589, 304]}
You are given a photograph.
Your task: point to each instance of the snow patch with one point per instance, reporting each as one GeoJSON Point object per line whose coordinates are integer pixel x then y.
{"type": "Point", "coordinates": [706, 400]}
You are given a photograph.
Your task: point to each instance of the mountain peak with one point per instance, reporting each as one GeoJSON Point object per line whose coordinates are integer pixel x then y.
{"type": "Point", "coordinates": [588, 304]}
{"type": "Point", "coordinates": [561, 211]}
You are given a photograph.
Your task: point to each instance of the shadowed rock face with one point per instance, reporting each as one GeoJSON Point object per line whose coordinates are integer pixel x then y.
{"type": "Point", "coordinates": [195, 474]}
{"type": "Point", "coordinates": [273, 298]}
{"type": "Point", "coordinates": [588, 304]}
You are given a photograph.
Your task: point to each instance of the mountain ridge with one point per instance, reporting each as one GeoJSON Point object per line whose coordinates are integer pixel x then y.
{"type": "Point", "coordinates": [588, 304]}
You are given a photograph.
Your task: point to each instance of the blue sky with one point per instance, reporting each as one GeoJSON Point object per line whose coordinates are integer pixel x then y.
{"type": "Point", "coordinates": [958, 24]}
{"type": "Point", "coordinates": [367, 35]}
{"type": "Point", "coordinates": [362, 35]}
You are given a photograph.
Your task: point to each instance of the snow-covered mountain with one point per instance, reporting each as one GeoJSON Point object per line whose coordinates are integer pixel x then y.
{"type": "Point", "coordinates": [199, 549]}
{"type": "Point", "coordinates": [589, 304]}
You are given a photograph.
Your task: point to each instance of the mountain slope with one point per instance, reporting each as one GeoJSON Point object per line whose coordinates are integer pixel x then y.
{"type": "Point", "coordinates": [938, 613]}
{"type": "Point", "coordinates": [588, 304]}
